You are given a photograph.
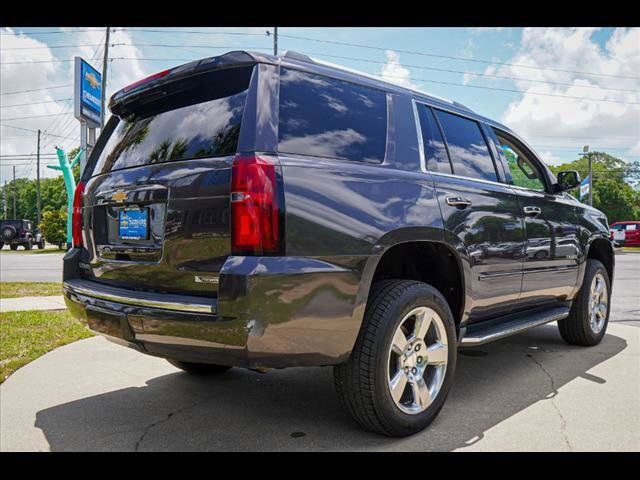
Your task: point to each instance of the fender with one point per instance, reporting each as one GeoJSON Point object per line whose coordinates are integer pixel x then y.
{"type": "Point", "coordinates": [406, 235]}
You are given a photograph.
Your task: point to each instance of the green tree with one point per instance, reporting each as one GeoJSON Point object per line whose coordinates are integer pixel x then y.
{"type": "Point", "coordinates": [613, 184]}
{"type": "Point", "coordinates": [54, 226]}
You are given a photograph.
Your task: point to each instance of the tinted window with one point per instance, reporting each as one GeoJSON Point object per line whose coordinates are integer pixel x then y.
{"type": "Point", "coordinates": [192, 124]}
{"type": "Point", "coordinates": [524, 171]}
{"type": "Point", "coordinates": [331, 118]}
{"type": "Point", "coordinates": [469, 153]}
{"type": "Point", "coordinates": [435, 153]}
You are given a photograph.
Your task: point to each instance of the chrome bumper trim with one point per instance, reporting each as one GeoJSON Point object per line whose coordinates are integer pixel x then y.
{"type": "Point", "coordinates": [181, 303]}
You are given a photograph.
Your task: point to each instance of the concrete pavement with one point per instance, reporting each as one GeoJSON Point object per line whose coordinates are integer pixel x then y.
{"type": "Point", "coordinates": [527, 392]}
{"type": "Point", "coordinates": [21, 304]}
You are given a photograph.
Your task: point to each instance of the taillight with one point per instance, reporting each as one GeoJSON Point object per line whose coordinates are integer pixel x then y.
{"type": "Point", "coordinates": [255, 206]}
{"type": "Point", "coordinates": [76, 219]}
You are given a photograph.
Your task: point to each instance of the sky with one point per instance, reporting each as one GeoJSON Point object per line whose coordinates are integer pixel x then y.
{"type": "Point", "coordinates": [559, 88]}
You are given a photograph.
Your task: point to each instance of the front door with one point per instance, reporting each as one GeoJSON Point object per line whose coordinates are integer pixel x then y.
{"type": "Point", "coordinates": [552, 246]}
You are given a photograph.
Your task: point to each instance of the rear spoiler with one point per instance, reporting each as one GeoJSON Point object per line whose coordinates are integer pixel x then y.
{"type": "Point", "coordinates": [129, 93]}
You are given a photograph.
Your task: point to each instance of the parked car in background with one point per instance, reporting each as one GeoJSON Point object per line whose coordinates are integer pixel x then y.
{"type": "Point", "coordinates": [17, 233]}
{"type": "Point", "coordinates": [625, 233]}
{"type": "Point", "coordinates": [267, 212]}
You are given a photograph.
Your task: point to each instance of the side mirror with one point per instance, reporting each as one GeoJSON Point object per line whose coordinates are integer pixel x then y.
{"type": "Point", "coordinates": [567, 179]}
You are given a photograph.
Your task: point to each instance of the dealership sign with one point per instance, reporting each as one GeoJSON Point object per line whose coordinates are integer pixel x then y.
{"type": "Point", "coordinates": [584, 188]}
{"type": "Point", "coordinates": [88, 93]}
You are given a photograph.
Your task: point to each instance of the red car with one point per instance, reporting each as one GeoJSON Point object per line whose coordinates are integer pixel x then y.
{"type": "Point", "coordinates": [631, 231]}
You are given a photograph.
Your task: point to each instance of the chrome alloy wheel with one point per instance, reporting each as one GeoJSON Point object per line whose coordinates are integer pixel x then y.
{"type": "Point", "coordinates": [598, 303]}
{"type": "Point", "coordinates": [417, 360]}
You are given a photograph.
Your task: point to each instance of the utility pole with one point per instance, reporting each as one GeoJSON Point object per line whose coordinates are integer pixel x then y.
{"type": "Point", "coordinates": [38, 179]}
{"type": "Point", "coordinates": [105, 62]}
{"type": "Point", "coordinates": [5, 199]}
{"type": "Point", "coordinates": [275, 40]}
{"type": "Point", "coordinates": [590, 179]}
{"type": "Point", "coordinates": [14, 191]}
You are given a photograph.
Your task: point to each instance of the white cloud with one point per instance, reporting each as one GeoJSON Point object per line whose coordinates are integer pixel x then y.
{"type": "Point", "coordinates": [607, 124]}
{"type": "Point", "coordinates": [549, 158]}
{"type": "Point", "coordinates": [394, 72]}
{"type": "Point", "coordinates": [55, 68]}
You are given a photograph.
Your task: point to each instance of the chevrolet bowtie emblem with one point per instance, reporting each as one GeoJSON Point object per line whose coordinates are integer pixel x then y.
{"type": "Point", "coordinates": [119, 196]}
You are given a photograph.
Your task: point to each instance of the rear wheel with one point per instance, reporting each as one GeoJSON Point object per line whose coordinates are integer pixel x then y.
{"type": "Point", "coordinates": [199, 368]}
{"type": "Point", "coordinates": [587, 321]}
{"type": "Point", "coordinates": [403, 362]}
{"type": "Point", "coordinates": [13, 246]}
{"type": "Point", "coordinates": [1, 245]}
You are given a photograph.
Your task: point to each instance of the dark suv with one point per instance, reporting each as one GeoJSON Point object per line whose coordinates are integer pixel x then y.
{"type": "Point", "coordinates": [267, 212]}
{"type": "Point", "coordinates": [20, 232]}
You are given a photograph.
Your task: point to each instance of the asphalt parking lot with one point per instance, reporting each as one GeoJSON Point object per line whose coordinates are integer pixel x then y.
{"type": "Point", "coordinates": [527, 392]}
{"type": "Point", "coordinates": [31, 267]}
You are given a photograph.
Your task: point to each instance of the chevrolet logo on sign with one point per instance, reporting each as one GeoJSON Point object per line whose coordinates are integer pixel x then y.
{"type": "Point", "coordinates": [119, 196]}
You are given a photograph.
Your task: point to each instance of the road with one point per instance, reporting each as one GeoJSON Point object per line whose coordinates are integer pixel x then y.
{"type": "Point", "coordinates": [31, 267]}
{"type": "Point", "coordinates": [527, 392]}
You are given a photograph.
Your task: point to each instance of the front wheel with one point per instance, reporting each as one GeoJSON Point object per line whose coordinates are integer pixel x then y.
{"type": "Point", "coordinates": [402, 365]}
{"type": "Point", "coordinates": [589, 315]}
{"type": "Point", "coordinates": [199, 368]}
{"type": "Point", "coordinates": [41, 244]}
{"type": "Point", "coordinates": [28, 245]}
{"type": "Point", "coordinates": [13, 246]}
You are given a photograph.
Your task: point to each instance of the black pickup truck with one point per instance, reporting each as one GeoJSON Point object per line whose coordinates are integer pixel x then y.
{"type": "Point", "coordinates": [266, 212]}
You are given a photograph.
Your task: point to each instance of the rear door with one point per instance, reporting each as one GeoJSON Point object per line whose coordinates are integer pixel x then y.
{"type": "Point", "coordinates": [480, 214]}
{"type": "Point", "coordinates": [552, 244]}
{"type": "Point", "coordinates": [156, 213]}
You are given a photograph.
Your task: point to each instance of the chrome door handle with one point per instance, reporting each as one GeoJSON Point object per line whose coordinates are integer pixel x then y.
{"type": "Point", "coordinates": [532, 211]}
{"type": "Point", "coordinates": [458, 202]}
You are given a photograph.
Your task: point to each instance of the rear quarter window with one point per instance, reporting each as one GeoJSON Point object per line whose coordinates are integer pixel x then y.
{"type": "Point", "coordinates": [325, 117]}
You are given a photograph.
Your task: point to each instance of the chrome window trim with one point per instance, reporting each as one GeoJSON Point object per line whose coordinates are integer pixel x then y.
{"type": "Point", "coordinates": [416, 118]}
{"type": "Point", "coordinates": [480, 180]}
{"type": "Point", "coordinates": [104, 292]}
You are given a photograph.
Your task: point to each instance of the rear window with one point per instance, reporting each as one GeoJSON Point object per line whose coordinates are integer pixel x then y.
{"type": "Point", "coordinates": [197, 119]}
{"type": "Point", "coordinates": [325, 117]}
{"type": "Point", "coordinates": [468, 149]}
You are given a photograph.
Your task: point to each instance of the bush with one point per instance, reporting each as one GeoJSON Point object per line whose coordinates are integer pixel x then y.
{"type": "Point", "coordinates": [54, 226]}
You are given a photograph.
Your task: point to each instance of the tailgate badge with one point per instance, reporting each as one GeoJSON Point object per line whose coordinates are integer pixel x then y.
{"type": "Point", "coordinates": [202, 279]}
{"type": "Point", "coordinates": [119, 196]}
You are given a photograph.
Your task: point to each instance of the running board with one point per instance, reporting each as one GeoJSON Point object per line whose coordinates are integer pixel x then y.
{"type": "Point", "coordinates": [481, 333]}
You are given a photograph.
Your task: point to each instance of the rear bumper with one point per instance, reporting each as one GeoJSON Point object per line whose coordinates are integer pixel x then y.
{"type": "Point", "coordinates": [270, 312]}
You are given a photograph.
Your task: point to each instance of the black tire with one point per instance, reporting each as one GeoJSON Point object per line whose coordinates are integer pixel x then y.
{"type": "Point", "coordinates": [362, 382]}
{"type": "Point", "coordinates": [199, 368]}
{"type": "Point", "coordinates": [8, 233]}
{"type": "Point", "coordinates": [41, 244]}
{"type": "Point", "coordinates": [28, 245]}
{"type": "Point", "coordinates": [576, 328]}
{"type": "Point", "coordinates": [13, 246]}
{"type": "Point", "coordinates": [1, 245]}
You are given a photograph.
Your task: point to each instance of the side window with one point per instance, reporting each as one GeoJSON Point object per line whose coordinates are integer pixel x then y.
{"type": "Point", "coordinates": [326, 117]}
{"type": "Point", "coordinates": [435, 153]}
{"type": "Point", "coordinates": [524, 171]}
{"type": "Point", "coordinates": [470, 156]}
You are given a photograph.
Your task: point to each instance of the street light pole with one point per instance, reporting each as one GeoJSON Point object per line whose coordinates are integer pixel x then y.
{"type": "Point", "coordinates": [38, 179]}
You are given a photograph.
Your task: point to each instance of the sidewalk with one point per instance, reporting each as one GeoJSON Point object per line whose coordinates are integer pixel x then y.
{"type": "Point", "coordinates": [54, 302]}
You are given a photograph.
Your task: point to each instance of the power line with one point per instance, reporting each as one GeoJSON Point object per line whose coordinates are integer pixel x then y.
{"type": "Point", "coordinates": [36, 89]}
{"type": "Point", "coordinates": [36, 103]}
{"type": "Point", "coordinates": [500, 89]}
{"type": "Point", "coordinates": [50, 46]}
{"type": "Point", "coordinates": [52, 32]}
{"type": "Point", "coordinates": [35, 116]}
{"type": "Point", "coordinates": [492, 62]}
{"type": "Point", "coordinates": [202, 32]}
{"type": "Point", "coordinates": [505, 77]}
